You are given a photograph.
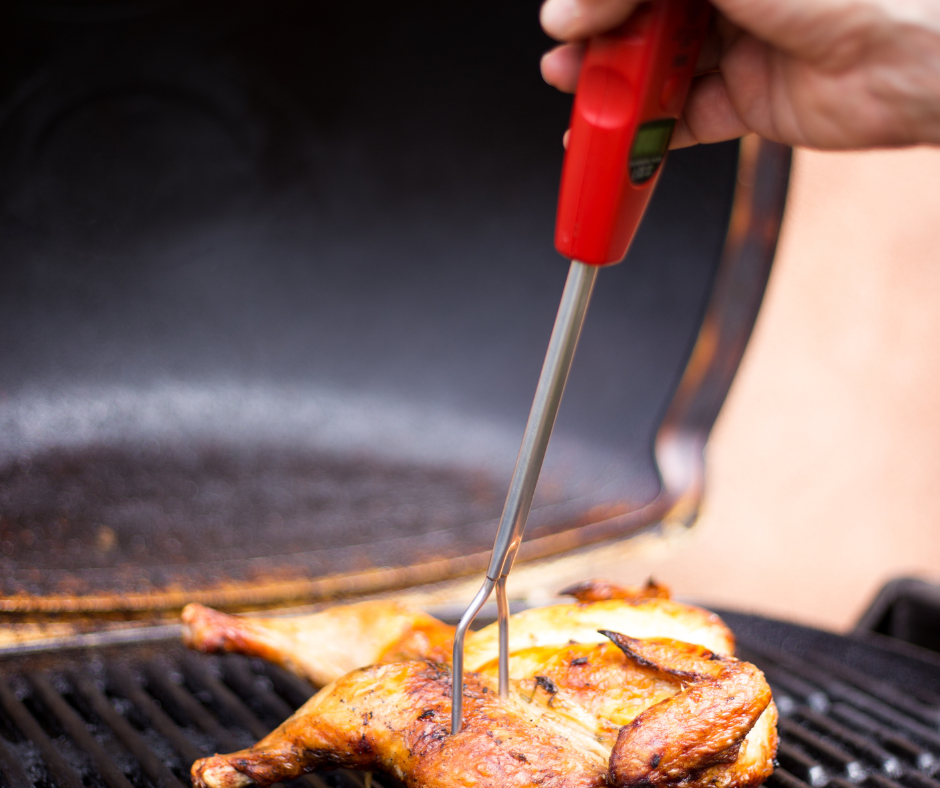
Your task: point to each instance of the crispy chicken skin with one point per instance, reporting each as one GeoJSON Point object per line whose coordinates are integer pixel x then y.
{"type": "Point", "coordinates": [324, 646]}
{"type": "Point", "coordinates": [625, 713]}
{"type": "Point", "coordinates": [599, 677]}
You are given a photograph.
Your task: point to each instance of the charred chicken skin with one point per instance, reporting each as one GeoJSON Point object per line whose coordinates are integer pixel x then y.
{"type": "Point", "coordinates": [665, 705]}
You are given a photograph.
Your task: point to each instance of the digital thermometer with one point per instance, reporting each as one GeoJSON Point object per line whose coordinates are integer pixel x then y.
{"type": "Point", "coordinates": [632, 89]}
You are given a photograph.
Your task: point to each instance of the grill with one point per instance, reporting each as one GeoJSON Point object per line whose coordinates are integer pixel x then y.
{"type": "Point", "coordinates": [139, 720]}
{"type": "Point", "coordinates": [852, 713]}
{"type": "Point", "coordinates": [840, 726]}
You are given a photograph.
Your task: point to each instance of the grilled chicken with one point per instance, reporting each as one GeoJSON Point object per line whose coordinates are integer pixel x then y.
{"type": "Point", "coordinates": [627, 713]}
{"type": "Point", "coordinates": [324, 646]}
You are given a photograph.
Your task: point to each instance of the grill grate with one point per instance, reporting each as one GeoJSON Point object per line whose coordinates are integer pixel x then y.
{"type": "Point", "coordinates": [138, 719]}
{"type": "Point", "coordinates": [842, 728]}
{"type": "Point", "coordinates": [119, 723]}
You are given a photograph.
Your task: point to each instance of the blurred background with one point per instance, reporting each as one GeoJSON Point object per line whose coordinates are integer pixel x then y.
{"type": "Point", "coordinates": [824, 466]}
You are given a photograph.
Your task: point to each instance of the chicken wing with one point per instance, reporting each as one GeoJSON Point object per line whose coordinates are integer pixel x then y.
{"type": "Point", "coordinates": [324, 646]}
{"type": "Point", "coordinates": [719, 729]}
{"type": "Point", "coordinates": [624, 713]}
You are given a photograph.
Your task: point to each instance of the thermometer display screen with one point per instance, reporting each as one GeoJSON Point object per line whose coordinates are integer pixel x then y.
{"type": "Point", "coordinates": [649, 149]}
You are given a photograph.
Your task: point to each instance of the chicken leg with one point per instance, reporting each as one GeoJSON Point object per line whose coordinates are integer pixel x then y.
{"type": "Point", "coordinates": [323, 646]}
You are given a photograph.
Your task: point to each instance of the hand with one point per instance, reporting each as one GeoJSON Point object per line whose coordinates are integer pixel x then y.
{"type": "Point", "coordinates": [829, 74]}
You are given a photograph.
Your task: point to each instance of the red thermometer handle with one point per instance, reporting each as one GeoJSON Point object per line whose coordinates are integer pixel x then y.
{"type": "Point", "coordinates": [631, 91]}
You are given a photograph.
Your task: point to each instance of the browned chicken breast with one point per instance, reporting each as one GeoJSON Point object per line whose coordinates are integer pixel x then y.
{"type": "Point", "coordinates": [645, 617]}
{"type": "Point", "coordinates": [324, 646]}
{"type": "Point", "coordinates": [627, 713]}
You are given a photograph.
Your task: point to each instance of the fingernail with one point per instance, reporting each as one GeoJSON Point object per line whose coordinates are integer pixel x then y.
{"type": "Point", "coordinates": [560, 16]}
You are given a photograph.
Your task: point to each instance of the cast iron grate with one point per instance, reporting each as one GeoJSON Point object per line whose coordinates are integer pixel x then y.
{"type": "Point", "coordinates": [119, 721]}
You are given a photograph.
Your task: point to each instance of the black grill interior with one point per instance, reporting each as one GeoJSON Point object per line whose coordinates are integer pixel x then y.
{"type": "Point", "coordinates": [140, 716]}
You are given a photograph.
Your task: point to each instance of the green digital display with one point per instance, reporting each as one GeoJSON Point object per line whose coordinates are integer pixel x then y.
{"type": "Point", "coordinates": [649, 149]}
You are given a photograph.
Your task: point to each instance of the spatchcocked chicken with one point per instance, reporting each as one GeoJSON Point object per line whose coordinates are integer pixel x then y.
{"type": "Point", "coordinates": [624, 687]}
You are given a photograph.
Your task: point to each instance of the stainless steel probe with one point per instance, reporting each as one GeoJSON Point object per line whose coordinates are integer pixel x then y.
{"type": "Point", "coordinates": [525, 476]}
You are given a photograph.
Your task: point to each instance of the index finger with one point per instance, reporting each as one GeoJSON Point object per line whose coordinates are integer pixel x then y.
{"type": "Point", "coordinates": [576, 20]}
